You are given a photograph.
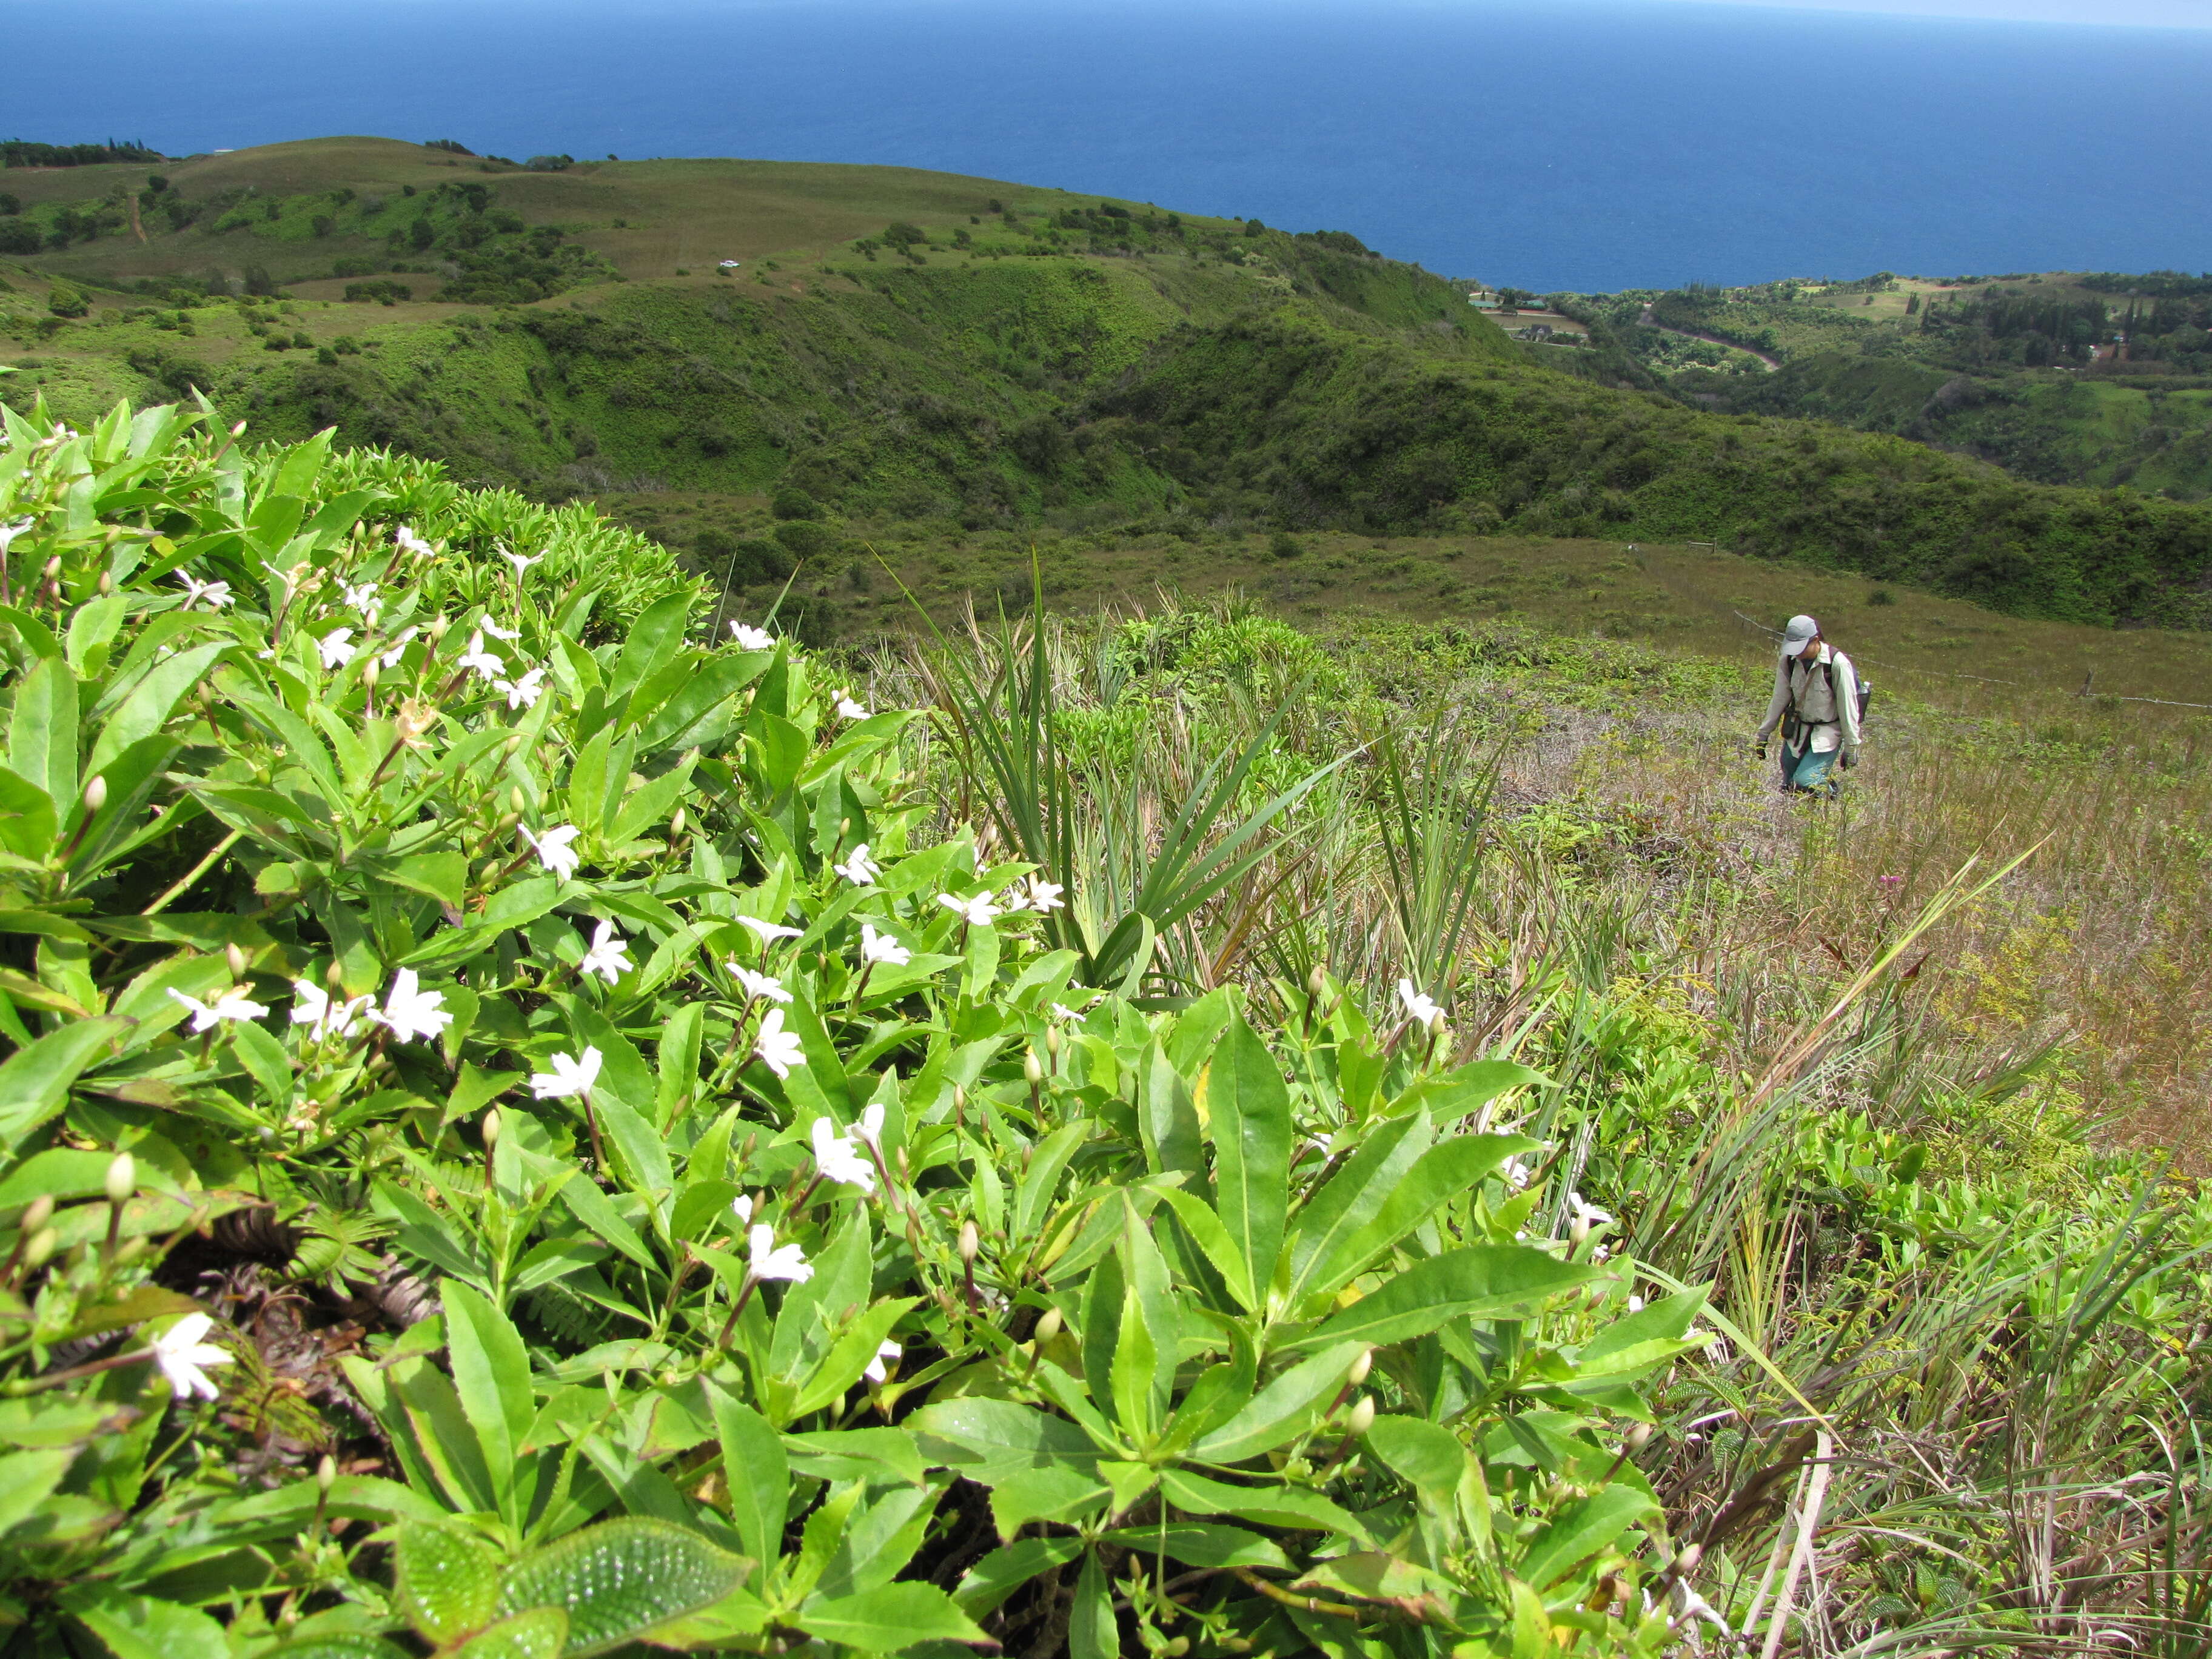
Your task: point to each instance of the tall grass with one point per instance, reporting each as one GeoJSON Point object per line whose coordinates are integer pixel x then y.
{"type": "Point", "coordinates": [1860, 1069]}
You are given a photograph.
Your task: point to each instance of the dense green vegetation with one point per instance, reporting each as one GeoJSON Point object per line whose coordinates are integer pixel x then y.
{"type": "Point", "coordinates": [1039, 359]}
{"type": "Point", "coordinates": [2018, 371]}
{"type": "Point", "coordinates": [525, 1131]}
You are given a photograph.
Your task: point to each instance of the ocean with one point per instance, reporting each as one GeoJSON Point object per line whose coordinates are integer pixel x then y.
{"type": "Point", "coordinates": [1590, 146]}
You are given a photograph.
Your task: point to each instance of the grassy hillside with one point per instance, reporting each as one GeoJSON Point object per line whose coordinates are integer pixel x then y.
{"type": "Point", "coordinates": [2019, 371]}
{"type": "Point", "coordinates": [959, 355]}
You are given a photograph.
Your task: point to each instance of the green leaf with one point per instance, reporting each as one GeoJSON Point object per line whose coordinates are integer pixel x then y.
{"type": "Point", "coordinates": [754, 1470]}
{"type": "Point", "coordinates": [1284, 1408]}
{"type": "Point", "coordinates": [1427, 1455]}
{"type": "Point", "coordinates": [541, 1633]}
{"type": "Point", "coordinates": [42, 733]}
{"type": "Point", "coordinates": [442, 876]}
{"type": "Point", "coordinates": [27, 1479]}
{"type": "Point", "coordinates": [1484, 1281]}
{"type": "Point", "coordinates": [1581, 1530]}
{"type": "Point", "coordinates": [1645, 1339]}
{"type": "Point", "coordinates": [1196, 1543]}
{"type": "Point", "coordinates": [1206, 1231]}
{"type": "Point", "coordinates": [1270, 1506]}
{"type": "Point", "coordinates": [491, 1374]}
{"type": "Point", "coordinates": [1093, 1632]}
{"type": "Point", "coordinates": [34, 1082]}
{"type": "Point", "coordinates": [1247, 1110]}
{"type": "Point", "coordinates": [619, 1579]}
{"type": "Point", "coordinates": [1057, 1492]}
{"type": "Point", "coordinates": [150, 703]}
{"type": "Point", "coordinates": [887, 1619]}
{"type": "Point", "coordinates": [144, 1626]}
{"type": "Point", "coordinates": [264, 1058]}
{"type": "Point", "coordinates": [447, 1577]}
{"type": "Point", "coordinates": [1006, 1569]}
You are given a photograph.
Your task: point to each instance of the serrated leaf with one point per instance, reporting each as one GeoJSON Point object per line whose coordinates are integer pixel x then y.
{"type": "Point", "coordinates": [144, 1626]}
{"type": "Point", "coordinates": [448, 1579]}
{"type": "Point", "coordinates": [1246, 1108]}
{"type": "Point", "coordinates": [619, 1579]}
{"type": "Point", "coordinates": [541, 1633]}
{"type": "Point", "coordinates": [1581, 1530]}
{"type": "Point", "coordinates": [756, 1472]}
{"type": "Point", "coordinates": [1284, 1408]}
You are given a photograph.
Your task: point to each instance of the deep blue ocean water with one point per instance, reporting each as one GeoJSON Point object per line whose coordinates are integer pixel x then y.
{"type": "Point", "coordinates": [1570, 143]}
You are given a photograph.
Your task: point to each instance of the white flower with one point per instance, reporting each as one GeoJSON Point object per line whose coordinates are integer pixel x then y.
{"type": "Point", "coordinates": [553, 851]}
{"type": "Point", "coordinates": [231, 1005]}
{"type": "Point", "coordinates": [411, 1014]}
{"type": "Point", "coordinates": [1516, 1173]}
{"type": "Point", "coordinates": [217, 594]}
{"type": "Point", "coordinates": [485, 665]}
{"type": "Point", "coordinates": [182, 1357]}
{"type": "Point", "coordinates": [769, 1262]}
{"type": "Point", "coordinates": [849, 710]}
{"type": "Point", "coordinates": [391, 658]}
{"type": "Point", "coordinates": [499, 633]}
{"type": "Point", "coordinates": [840, 1160]}
{"type": "Point", "coordinates": [520, 561]}
{"type": "Point", "coordinates": [570, 1076]}
{"type": "Point", "coordinates": [882, 947]}
{"type": "Point", "coordinates": [860, 869]}
{"type": "Point", "coordinates": [410, 543]}
{"type": "Point", "coordinates": [1418, 1006]}
{"type": "Point", "coordinates": [870, 1128]}
{"type": "Point", "coordinates": [337, 654]}
{"type": "Point", "coordinates": [978, 911]}
{"type": "Point", "coordinates": [1636, 1304]}
{"type": "Point", "coordinates": [884, 1352]}
{"type": "Point", "coordinates": [525, 692]}
{"type": "Point", "coordinates": [742, 1207]}
{"type": "Point", "coordinates": [609, 956]}
{"type": "Point", "coordinates": [311, 1005]}
{"type": "Point", "coordinates": [1585, 1211]}
{"type": "Point", "coordinates": [358, 596]}
{"type": "Point", "coordinates": [1044, 896]}
{"type": "Point", "coordinates": [776, 1048]}
{"type": "Point", "coordinates": [758, 985]}
{"type": "Point", "coordinates": [1062, 1013]}
{"type": "Point", "coordinates": [9, 532]}
{"type": "Point", "coordinates": [752, 639]}
{"type": "Point", "coordinates": [768, 932]}
{"type": "Point", "coordinates": [1322, 1144]}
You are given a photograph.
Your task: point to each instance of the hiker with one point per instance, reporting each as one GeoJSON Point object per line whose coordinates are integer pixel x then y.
{"type": "Point", "coordinates": [1817, 701]}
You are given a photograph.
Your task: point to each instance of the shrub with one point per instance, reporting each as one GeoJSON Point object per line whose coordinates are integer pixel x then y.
{"type": "Point", "coordinates": [384, 292]}
{"type": "Point", "coordinates": [1284, 545]}
{"type": "Point", "coordinates": [66, 302]}
{"type": "Point", "coordinates": [1880, 595]}
{"type": "Point", "coordinates": [19, 236]}
{"type": "Point", "coordinates": [803, 538]}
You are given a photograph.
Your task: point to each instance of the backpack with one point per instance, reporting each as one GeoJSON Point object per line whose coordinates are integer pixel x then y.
{"type": "Point", "coordinates": [1792, 724]}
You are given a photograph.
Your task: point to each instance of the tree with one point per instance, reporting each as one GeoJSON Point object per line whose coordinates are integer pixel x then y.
{"type": "Point", "coordinates": [19, 236]}
{"type": "Point", "coordinates": [258, 282]}
{"type": "Point", "coordinates": [67, 302]}
{"type": "Point", "coordinates": [420, 236]}
{"type": "Point", "coordinates": [791, 502]}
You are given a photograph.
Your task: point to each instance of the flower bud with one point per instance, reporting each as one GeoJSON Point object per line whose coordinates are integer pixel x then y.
{"type": "Point", "coordinates": [39, 1212]}
{"type": "Point", "coordinates": [1578, 1234]}
{"type": "Point", "coordinates": [40, 1250]}
{"type": "Point", "coordinates": [95, 792]}
{"type": "Point", "coordinates": [1360, 1367]}
{"type": "Point", "coordinates": [516, 801]}
{"type": "Point", "coordinates": [107, 584]}
{"type": "Point", "coordinates": [129, 1251]}
{"type": "Point", "coordinates": [1318, 981]}
{"type": "Point", "coordinates": [370, 673]}
{"type": "Point", "coordinates": [122, 1178]}
{"type": "Point", "coordinates": [438, 627]}
{"type": "Point", "coordinates": [1639, 1437]}
{"type": "Point", "coordinates": [1051, 1041]}
{"type": "Point", "coordinates": [326, 1474]}
{"type": "Point", "coordinates": [232, 954]}
{"type": "Point", "coordinates": [1686, 1562]}
{"type": "Point", "coordinates": [1361, 1418]}
{"type": "Point", "coordinates": [378, 1062]}
{"type": "Point", "coordinates": [675, 824]}
{"type": "Point", "coordinates": [491, 1127]}
{"type": "Point", "coordinates": [334, 976]}
{"type": "Point", "coordinates": [53, 567]}
{"type": "Point", "coordinates": [1031, 1071]}
{"type": "Point", "coordinates": [970, 1242]}
{"type": "Point", "coordinates": [1048, 1325]}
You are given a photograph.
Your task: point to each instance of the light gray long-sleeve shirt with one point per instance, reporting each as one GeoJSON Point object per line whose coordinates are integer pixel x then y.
{"type": "Point", "coordinates": [1829, 703]}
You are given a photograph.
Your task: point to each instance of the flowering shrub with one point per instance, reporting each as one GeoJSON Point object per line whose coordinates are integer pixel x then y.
{"type": "Point", "coordinates": [512, 1145]}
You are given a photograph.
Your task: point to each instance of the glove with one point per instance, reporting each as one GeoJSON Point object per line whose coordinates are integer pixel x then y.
{"type": "Point", "coordinates": [1762, 749]}
{"type": "Point", "coordinates": [1851, 760]}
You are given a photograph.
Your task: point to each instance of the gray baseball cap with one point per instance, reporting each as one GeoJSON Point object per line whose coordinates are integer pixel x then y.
{"type": "Point", "coordinates": [1800, 630]}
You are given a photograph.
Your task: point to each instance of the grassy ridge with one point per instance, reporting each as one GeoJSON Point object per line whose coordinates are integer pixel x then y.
{"type": "Point", "coordinates": [1060, 361]}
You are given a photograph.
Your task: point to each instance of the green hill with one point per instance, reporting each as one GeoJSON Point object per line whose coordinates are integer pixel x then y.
{"type": "Point", "coordinates": [2019, 371]}
{"type": "Point", "coordinates": [917, 357]}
